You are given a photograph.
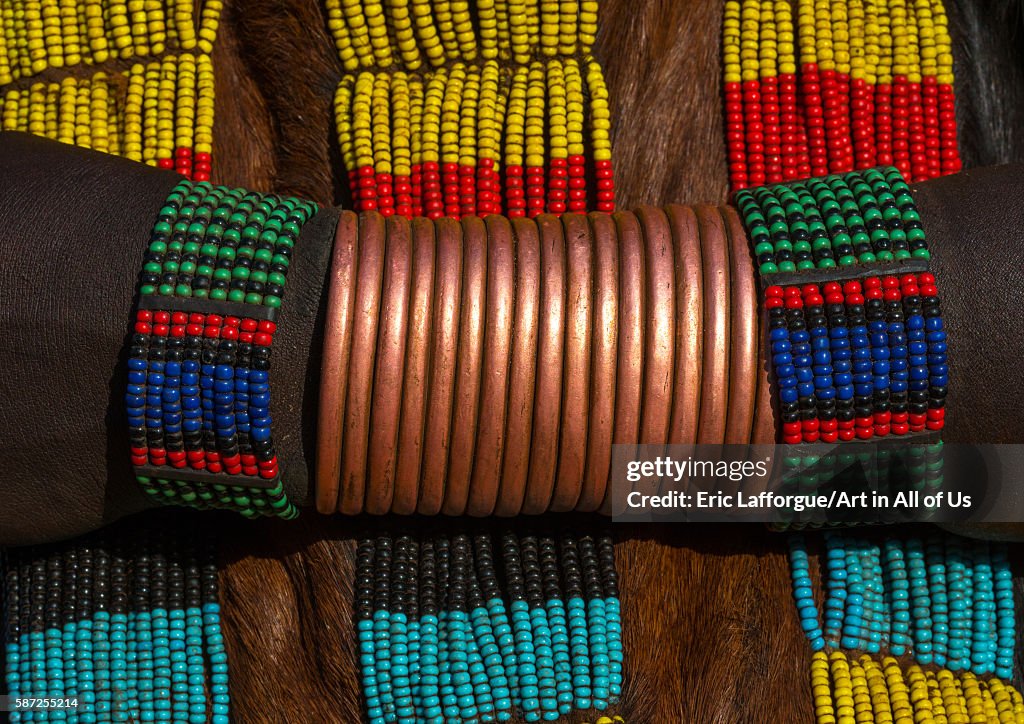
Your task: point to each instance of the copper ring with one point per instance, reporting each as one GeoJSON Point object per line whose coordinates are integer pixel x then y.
{"type": "Point", "coordinates": [334, 361]}
{"type": "Point", "coordinates": [743, 346]}
{"type": "Point", "coordinates": [364, 345]}
{"type": "Point", "coordinates": [490, 439]}
{"type": "Point", "coordinates": [523, 371]}
{"type": "Point", "coordinates": [660, 337]}
{"type": "Point", "coordinates": [550, 354]}
{"type": "Point", "coordinates": [387, 382]}
{"type": "Point", "coordinates": [470, 366]}
{"type": "Point", "coordinates": [715, 374]}
{"type": "Point", "coordinates": [689, 332]}
{"type": "Point", "coordinates": [604, 350]}
{"type": "Point", "coordinates": [447, 302]}
{"type": "Point", "coordinates": [415, 385]}
{"type": "Point", "coordinates": [630, 365]}
{"type": "Point", "coordinates": [572, 454]}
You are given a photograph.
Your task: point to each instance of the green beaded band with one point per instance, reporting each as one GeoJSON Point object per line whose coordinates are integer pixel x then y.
{"type": "Point", "coordinates": [198, 395]}
{"type": "Point", "coordinates": [839, 222]}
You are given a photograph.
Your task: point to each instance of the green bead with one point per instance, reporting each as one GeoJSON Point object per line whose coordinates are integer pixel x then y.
{"type": "Point", "coordinates": [187, 267]}
{"type": "Point", "coordinates": [847, 260]}
{"type": "Point", "coordinates": [158, 247]}
{"type": "Point", "coordinates": [861, 238]}
{"type": "Point", "coordinates": [264, 255]}
{"type": "Point", "coordinates": [232, 236]}
{"type": "Point", "coordinates": [915, 235]}
{"type": "Point", "coordinates": [209, 250]}
{"type": "Point", "coordinates": [166, 290]}
{"type": "Point", "coordinates": [819, 244]}
{"type": "Point", "coordinates": [764, 247]}
{"type": "Point", "coordinates": [171, 267]}
{"type": "Point", "coordinates": [153, 267]}
{"type": "Point", "coordinates": [272, 300]}
{"type": "Point", "coordinates": [183, 290]}
{"type": "Point", "coordinates": [240, 272]}
{"type": "Point", "coordinates": [251, 233]}
{"type": "Point", "coordinates": [285, 242]}
{"type": "Point", "coordinates": [218, 294]}
{"type": "Point", "coordinates": [802, 246]}
{"type": "Point", "coordinates": [784, 245]}
{"type": "Point", "coordinates": [253, 298]}
{"type": "Point", "coordinates": [827, 263]}
{"type": "Point", "coordinates": [884, 256]}
{"type": "Point", "coordinates": [222, 274]}
{"type": "Point", "coordinates": [901, 254]}
{"type": "Point", "coordinates": [226, 252]}
{"type": "Point", "coordinates": [787, 266]}
{"type": "Point", "coordinates": [281, 260]}
{"type": "Point", "coordinates": [280, 279]}
{"type": "Point", "coordinates": [162, 228]}
{"type": "Point", "coordinates": [921, 254]}
{"type": "Point", "coordinates": [147, 289]}
{"type": "Point", "coordinates": [236, 295]}
{"type": "Point", "coordinates": [867, 258]}
{"type": "Point", "coordinates": [805, 265]}
{"type": "Point", "coordinates": [258, 276]}
{"type": "Point", "coordinates": [204, 271]}
{"type": "Point", "coordinates": [768, 268]}
{"type": "Point", "coordinates": [200, 293]}
{"type": "Point", "coordinates": [191, 247]}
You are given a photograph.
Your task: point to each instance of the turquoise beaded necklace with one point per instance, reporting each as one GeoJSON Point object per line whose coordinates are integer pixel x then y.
{"type": "Point", "coordinates": [441, 640]}
{"type": "Point", "coordinates": [123, 624]}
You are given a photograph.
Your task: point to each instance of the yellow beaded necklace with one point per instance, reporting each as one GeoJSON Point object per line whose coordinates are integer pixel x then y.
{"type": "Point", "coordinates": [160, 111]}
{"type": "Point", "coordinates": [477, 114]}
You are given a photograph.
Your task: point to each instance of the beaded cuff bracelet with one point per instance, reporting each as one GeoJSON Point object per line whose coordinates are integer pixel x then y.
{"type": "Point", "coordinates": [198, 395]}
{"type": "Point", "coordinates": [856, 331]}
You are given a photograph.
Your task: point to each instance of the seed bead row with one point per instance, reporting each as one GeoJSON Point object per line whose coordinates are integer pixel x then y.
{"type": "Point", "coordinates": [128, 625]}
{"type": "Point", "coordinates": [865, 690]}
{"type": "Point", "coordinates": [160, 113]}
{"type": "Point", "coordinates": [858, 360]}
{"type": "Point", "coordinates": [198, 395]}
{"type": "Point", "coordinates": [875, 83]}
{"type": "Point", "coordinates": [452, 629]}
{"type": "Point", "coordinates": [836, 221]}
{"type": "Point", "coordinates": [945, 600]}
{"type": "Point", "coordinates": [418, 34]}
{"type": "Point", "coordinates": [472, 122]}
{"type": "Point", "coordinates": [42, 34]}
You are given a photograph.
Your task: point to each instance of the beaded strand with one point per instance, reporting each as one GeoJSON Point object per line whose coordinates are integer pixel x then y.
{"type": "Point", "coordinates": [448, 633]}
{"type": "Point", "coordinates": [908, 600]}
{"type": "Point", "coordinates": [130, 630]}
{"type": "Point", "coordinates": [865, 690]}
{"type": "Point", "coordinates": [475, 120]}
{"type": "Point", "coordinates": [875, 80]}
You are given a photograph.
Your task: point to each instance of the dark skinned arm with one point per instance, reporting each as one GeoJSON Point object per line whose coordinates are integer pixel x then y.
{"type": "Point", "coordinates": [74, 226]}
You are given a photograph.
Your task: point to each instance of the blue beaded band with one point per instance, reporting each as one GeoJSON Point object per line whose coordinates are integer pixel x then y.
{"type": "Point", "coordinates": [198, 396]}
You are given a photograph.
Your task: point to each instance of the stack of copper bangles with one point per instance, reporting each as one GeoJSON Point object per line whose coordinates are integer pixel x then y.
{"type": "Point", "coordinates": [198, 397]}
{"type": "Point", "coordinates": [486, 366]}
{"type": "Point", "coordinates": [857, 340]}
